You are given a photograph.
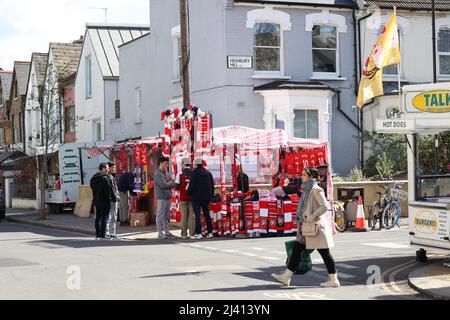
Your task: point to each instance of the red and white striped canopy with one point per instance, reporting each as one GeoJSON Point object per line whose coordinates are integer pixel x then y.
{"type": "Point", "coordinates": [249, 138]}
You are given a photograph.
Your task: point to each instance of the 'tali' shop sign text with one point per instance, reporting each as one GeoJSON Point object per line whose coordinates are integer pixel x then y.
{"type": "Point", "coordinates": [437, 101]}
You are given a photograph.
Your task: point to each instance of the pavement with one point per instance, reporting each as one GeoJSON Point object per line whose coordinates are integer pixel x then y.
{"type": "Point", "coordinates": [72, 223]}
{"type": "Point", "coordinates": [432, 280]}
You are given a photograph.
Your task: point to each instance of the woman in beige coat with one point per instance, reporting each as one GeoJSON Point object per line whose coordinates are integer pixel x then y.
{"type": "Point", "coordinates": [312, 208]}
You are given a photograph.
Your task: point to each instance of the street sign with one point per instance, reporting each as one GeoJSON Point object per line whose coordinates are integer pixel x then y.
{"type": "Point", "coordinates": [240, 62]}
{"type": "Point", "coordinates": [395, 126]}
{"type": "Point", "coordinates": [428, 102]}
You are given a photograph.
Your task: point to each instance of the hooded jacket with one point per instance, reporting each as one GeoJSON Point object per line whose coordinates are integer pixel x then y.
{"type": "Point", "coordinates": [101, 188]}
{"type": "Point", "coordinates": [163, 185]}
{"type": "Point", "coordinates": [201, 185]}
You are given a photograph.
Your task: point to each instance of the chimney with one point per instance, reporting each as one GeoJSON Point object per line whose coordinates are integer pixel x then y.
{"type": "Point", "coordinates": [79, 41]}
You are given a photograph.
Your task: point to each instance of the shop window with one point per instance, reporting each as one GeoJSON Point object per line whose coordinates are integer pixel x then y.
{"type": "Point", "coordinates": [267, 46]}
{"type": "Point", "coordinates": [325, 49]}
{"type": "Point", "coordinates": [444, 51]}
{"type": "Point", "coordinates": [433, 166]}
{"type": "Point", "coordinates": [117, 109]}
{"type": "Point", "coordinates": [306, 124]}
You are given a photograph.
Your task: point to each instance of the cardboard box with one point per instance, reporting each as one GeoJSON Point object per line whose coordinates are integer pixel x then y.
{"type": "Point", "coordinates": [83, 208]}
{"type": "Point", "coordinates": [139, 219]}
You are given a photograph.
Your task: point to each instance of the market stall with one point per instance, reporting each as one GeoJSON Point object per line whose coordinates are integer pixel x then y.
{"type": "Point", "coordinates": [272, 160]}
{"type": "Point", "coordinates": [139, 157]}
{"type": "Point", "coordinates": [425, 122]}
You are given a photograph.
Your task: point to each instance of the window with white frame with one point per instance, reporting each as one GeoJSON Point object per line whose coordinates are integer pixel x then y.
{"type": "Point", "coordinates": [306, 124]}
{"type": "Point", "coordinates": [97, 130]}
{"type": "Point", "coordinates": [139, 105]}
{"type": "Point", "coordinates": [325, 49]}
{"type": "Point", "coordinates": [444, 51]}
{"type": "Point", "coordinates": [267, 47]}
{"type": "Point", "coordinates": [88, 76]}
{"type": "Point", "coordinates": [177, 58]}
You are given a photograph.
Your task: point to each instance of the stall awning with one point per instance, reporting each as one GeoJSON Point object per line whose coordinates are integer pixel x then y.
{"type": "Point", "coordinates": [249, 138]}
{"type": "Point", "coordinates": [101, 150]}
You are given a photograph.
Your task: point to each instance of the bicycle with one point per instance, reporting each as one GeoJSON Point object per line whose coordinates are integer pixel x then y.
{"type": "Point", "coordinates": [387, 209]}
{"type": "Point", "coordinates": [340, 217]}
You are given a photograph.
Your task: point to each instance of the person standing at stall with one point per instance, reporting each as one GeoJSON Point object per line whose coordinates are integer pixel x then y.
{"type": "Point", "coordinates": [311, 212]}
{"type": "Point", "coordinates": [201, 191]}
{"type": "Point", "coordinates": [111, 226]}
{"type": "Point", "coordinates": [102, 191]}
{"type": "Point", "coordinates": [126, 187]}
{"type": "Point", "coordinates": [163, 186]}
{"type": "Point", "coordinates": [187, 213]}
{"type": "Point", "coordinates": [243, 181]}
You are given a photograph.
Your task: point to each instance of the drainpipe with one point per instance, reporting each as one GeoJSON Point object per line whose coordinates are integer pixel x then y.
{"type": "Point", "coordinates": [338, 92]}
{"type": "Point", "coordinates": [358, 68]}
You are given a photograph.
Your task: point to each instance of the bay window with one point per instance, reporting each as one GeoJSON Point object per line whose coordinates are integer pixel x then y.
{"type": "Point", "coordinates": [306, 124]}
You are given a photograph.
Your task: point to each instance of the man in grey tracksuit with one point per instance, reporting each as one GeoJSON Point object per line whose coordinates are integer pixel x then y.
{"type": "Point", "coordinates": [111, 226]}
{"type": "Point", "coordinates": [163, 186]}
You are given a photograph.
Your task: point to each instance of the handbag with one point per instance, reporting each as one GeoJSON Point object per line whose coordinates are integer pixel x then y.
{"type": "Point", "coordinates": [310, 229]}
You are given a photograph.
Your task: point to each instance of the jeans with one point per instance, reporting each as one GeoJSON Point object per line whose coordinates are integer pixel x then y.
{"type": "Point", "coordinates": [111, 225]}
{"type": "Point", "coordinates": [296, 255]}
{"type": "Point", "coordinates": [187, 219]}
{"type": "Point", "coordinates": [163, 216]}
{"type": "Point", "coordinates": [101, 217]}
{"type": "Point", "coordinates": [204, 206]}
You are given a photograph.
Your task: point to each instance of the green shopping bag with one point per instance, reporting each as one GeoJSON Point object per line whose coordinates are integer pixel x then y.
{"type": "Point", "coordinates": [305, 264]}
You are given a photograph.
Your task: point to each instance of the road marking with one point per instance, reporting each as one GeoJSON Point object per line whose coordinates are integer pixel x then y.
{"type": "Point", "coordinates": [249, 254]}
{"type": "Point", "coordinates": [297, 296]}
{"type": "Point", "coordinates": [389, 245]}
{"type": "Point", "coordinates": [318, 269]}
{"type": "Point", "coordinates": [257, 249]}
{"type": "Point", "coordinates": [231, 251]}
{"type": "Point", "coordinates": [211, 248]}
{"type": "Point", "coordinates": [345, 275]}
{"type": "Point", "coordinates": [270, 258]}
{"type": "Point", "coordinates": [346, 266]}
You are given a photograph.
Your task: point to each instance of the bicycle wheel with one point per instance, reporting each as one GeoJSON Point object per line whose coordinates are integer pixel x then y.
{"type": "Point", "coordinates": [374, 215]}
{"type": "Point", "coordinates": [340, 218]}
{"type": "Point", "coordinates": [391, 214]}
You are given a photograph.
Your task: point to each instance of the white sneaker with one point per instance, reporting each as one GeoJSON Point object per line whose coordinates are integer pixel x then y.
{"type": "Point", "coordinates": [161, 236]}
{"type": "Point", "coordinates": [184, 238]}
{"type": "Point", "coordinates": [210, 236]}
{"type": "Point", "coordinates": [333, 282]}
{"type": "Point", "coordinates": [284, 277]}
{"type": "Point", "coordinates": [197, 237]}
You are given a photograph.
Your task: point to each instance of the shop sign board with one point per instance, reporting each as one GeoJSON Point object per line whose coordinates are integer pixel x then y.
{"type": "Point", "coordinates": [430, 223]}
{"type": "Point", "coordinates": [395, 125]}
{"type": "Point", "coordinates": [429, 102]}
{"type": "Point", "coordinates": [240, 62]}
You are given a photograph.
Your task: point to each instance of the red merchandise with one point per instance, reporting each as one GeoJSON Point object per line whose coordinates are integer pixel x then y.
{"type": "Point", "coordinates": [280, 216]}
{"type": "Point", "coordinates": [226, 226]}
{"type": "Point", "coordinates": [288, 209]}
{"type": "Point", "coordinates": [263, 215]}
{"type": "Point", "coordinates": [256, 217]}
{"type": "Point", "coordinates": [235, 211]}
{"type": "Point", "coordinates": [272, 217]}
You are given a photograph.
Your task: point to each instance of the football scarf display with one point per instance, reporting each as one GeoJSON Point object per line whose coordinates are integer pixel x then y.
{"type": "Point", "coordinates": [137, 169]}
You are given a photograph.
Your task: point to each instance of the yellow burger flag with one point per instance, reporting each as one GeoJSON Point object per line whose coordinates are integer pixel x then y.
{"type": "Point", "coordinates": [385, 52]}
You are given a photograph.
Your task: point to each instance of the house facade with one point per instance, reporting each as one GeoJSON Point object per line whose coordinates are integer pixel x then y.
{"type": "Point", "coordinates": [261, 64]}
{"type": "Point", "coordinates": [33, 99]}
{"type": "Point", "coordinates": [14, 136]}
{"type": "Point", "coordinates": [63, 60]}
{"type": "Point", "coordinates": [415, 37]}
{"type": "Point", "coordinates": [97, 82]}
{"type": "Point", "coordinates": [5, 87]}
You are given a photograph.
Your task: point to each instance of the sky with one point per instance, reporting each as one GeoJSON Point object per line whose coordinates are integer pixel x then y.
{"type": "Point", "coordinates": [28, 26]}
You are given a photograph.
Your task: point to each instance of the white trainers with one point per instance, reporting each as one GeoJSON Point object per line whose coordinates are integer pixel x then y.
{"type": "Point", "coordinates": [162, 236]}
{"type": "Point", "coordinates": [197, 237]}
{"type": "Point", "coordinates": [170, 235]}
{"type": "Point", "coordinates": [210, 236]}
{"type": "Point", "coordinates": [333, 282]}
{"type": "Point", "coordinates": [284, 277]}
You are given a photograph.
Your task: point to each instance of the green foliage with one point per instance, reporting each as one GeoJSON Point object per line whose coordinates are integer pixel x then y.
{"type": "Point", "coordinates": [355, 174]}
{"type": "Point", "coordinates": [388, 157]}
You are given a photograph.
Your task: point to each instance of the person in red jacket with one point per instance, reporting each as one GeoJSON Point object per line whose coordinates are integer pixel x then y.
{"type": "Point", "coordinates": [187, 213]}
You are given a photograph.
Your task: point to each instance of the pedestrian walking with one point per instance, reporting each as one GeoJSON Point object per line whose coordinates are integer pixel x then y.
{"type": "Point", "coordinates": [201, 191]}
{"type": "Point", "coordinates": [187, 212]}
{"type": "Point", "coordinates": [126, 188]}
{"type": "Point", "coordinates": [111, 225]}
{"type": "Point", "coordinates": [102, 196]}
{"type": "Point", "coordinates": [318, 235]}
{"type": "Point", "coordinates": [163, 186]}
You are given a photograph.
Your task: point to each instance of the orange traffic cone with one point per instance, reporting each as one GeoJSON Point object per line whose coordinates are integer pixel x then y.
{"type": "Point", "coordinates": [360, 218]}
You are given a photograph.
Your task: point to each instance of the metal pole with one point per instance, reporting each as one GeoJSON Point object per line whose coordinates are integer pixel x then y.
{"type": "Point", "coordinates": [433, 13]}
{"type": "Point", "coordinates": [185, 54]}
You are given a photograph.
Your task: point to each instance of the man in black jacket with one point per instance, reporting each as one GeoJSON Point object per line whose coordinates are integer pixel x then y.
{"type": "Point", "coordinates": [102, 192]}
{"type": "Point", "coordinates": [126, 187]}
{"type": "Point", "coordinates": [201, 191]}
